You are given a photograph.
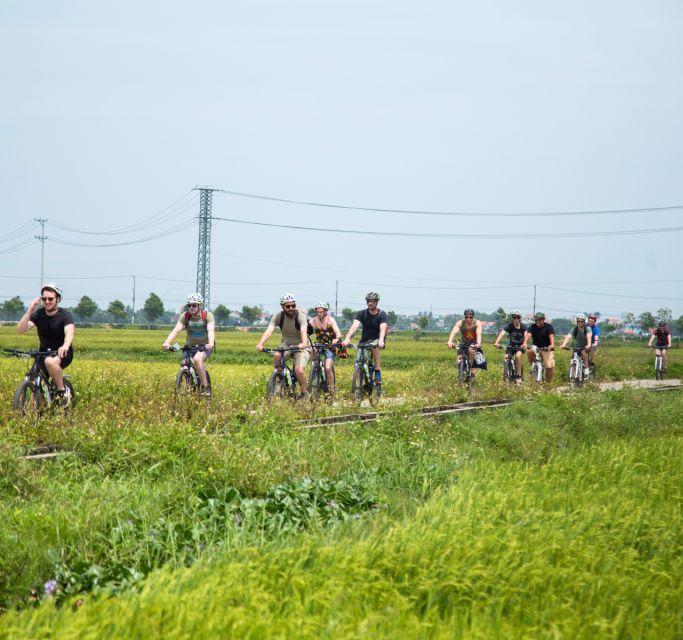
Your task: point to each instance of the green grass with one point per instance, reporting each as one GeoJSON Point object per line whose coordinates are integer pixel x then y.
{"type": "Point", "coordinates": [489, 525]}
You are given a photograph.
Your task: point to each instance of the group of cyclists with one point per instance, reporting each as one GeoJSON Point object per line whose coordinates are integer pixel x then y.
{"type": "Point", "coordinates": [56, 328]}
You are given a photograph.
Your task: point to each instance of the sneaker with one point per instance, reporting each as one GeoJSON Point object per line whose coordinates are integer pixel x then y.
{"type": "Point", "coordinates": [62, 398]}
{"type": "Point", "coordinates": [205, 391]}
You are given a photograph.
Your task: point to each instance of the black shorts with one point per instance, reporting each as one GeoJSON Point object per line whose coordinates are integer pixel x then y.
{"type": "Point", "coordinates": [66, 360]}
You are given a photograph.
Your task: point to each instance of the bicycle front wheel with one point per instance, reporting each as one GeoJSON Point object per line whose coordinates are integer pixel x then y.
{"type": "Point", "coordinates": [184, 385]}
{"type": "Point", "coordinates": [276, 386]}
{"type": "Point", "coordinates": [358, 383]}
{"type": "Point", "coordinates": [29, 399]}
{"type": "Point", "coordinates": [315, 382]}
{"type": "Point", "coordinates": [462, 371]}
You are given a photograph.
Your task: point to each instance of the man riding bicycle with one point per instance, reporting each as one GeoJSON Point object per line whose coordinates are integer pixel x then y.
{"type": "Point", "coordinates": [294, 328]}
{"type": "Point", "coordinates": [326, 332]}
{"type": "Point", "coordinates": [662, 335]}
{"type": "Point", "coordinates": [542, 336]}
{"type": "Point", "coordinates": [515, 331]}
{"type": "Point", "coordinates": [471, 331]}
{"type": "Point", "coordinates": [375, 326]}
{"type": "Point", "coordinates": [582, 336]}
{"type": "Point", "coordinates": [201, 330]}
{"type": "Point", "coordinates": [56, 330]}
{"type": "Point", "coordinates": [592, 323]}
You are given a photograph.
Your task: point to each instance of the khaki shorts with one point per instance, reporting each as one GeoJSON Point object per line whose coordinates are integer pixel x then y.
{"type": "Point", "coordinates": [548, 358]}
{"type": "Point", "coordinates": [301, 358]}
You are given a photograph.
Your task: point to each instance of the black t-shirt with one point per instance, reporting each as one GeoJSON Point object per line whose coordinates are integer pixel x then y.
{"type": "Point", "coordinates": [540, 336]}
{"type": "Point", "coordinates": [516, 335]}
{"type": "Point", "coordinates": [51, 328]}
{"type": "Point", "coordinates": [371, 324]}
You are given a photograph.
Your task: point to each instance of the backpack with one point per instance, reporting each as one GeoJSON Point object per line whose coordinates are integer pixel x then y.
{"type": "Point", "coordinates": [297, 324]}
{"type": "Point", "coordinates": [575, 331]}
{"type": "Point", "coordinates": [205, 313]}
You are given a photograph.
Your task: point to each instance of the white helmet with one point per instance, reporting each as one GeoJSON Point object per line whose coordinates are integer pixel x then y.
{"type": "Point", "coordinates": [195, 298]}
{"type": "Point", "coordinates": [321, 304]}
{"type": "Point", "coordinates": [580, 316]}
{"type": "Point", "coordinates": [287, 297]}
{"type": "Point", "coordinates": [52, 286]}
{"type": "Point", "coordinates": [516, 312]}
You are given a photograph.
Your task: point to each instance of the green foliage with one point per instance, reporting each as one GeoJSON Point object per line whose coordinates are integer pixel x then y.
{"type": "Point", "coordinates": [646, 321]}
{"type": "Point", "coordinates": [221, 313]}
{"type": "Point", "coordinates": [348, 314]}
{"type": "Point", "coordinates": [664, 314]}
{"type": "Point", "coordinates": [153, 308]}
{"type": "Point", "coordinates": [12, 309]}
{"type": "Point", "coordinates": [117, 310]}
{"type": "Point", "coordinates": [250, 314]}
{"type": "Point", "coordinates": [86, 308]}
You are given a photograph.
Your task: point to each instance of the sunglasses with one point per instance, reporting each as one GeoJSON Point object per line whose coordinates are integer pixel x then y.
{"type": "Point", "coordinates": [46, 299]}
{"type": "Point", "coordinates": [289, 306]}
{"type": "Point", "coordinates": [193, 305]}
{"type": "Point", "coordinates": [516, 317]}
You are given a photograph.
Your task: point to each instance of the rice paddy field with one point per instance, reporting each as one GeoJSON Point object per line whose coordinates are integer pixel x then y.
{"type": "Point", "coordinates": [558, 516]}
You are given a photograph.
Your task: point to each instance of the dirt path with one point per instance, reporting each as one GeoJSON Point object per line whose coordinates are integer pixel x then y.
{"type": "Point", "coordinates": [639, 384]}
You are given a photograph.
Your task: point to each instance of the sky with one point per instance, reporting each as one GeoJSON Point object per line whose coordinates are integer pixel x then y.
{"type": "Point", "coordinates": [113, 112]}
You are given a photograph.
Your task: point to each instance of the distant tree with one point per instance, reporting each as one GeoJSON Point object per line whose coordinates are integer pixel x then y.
{"type": "Point", "coordinates": [311, 312]}
{"type": "Point", "coordinates": [561, 325]}
{"type": "Point", "coordinates": [221, 313]}
{"type": "Point", "coordinates": [13, 308]}
{"type": "Point", "coordinates": [250, 314]}
{"type": "Point", "coordinates": [665, 314]}
{"type": "Point", "coordinates": [153, 307]}
{"type": "Point", "coordinates": [423, 322]}
{"type": "Point", "coordinates": [86, 308]}
{"type": "Point", "coordinates": [607, 328]}
{"type": "Point", "coordinates": [646, 321]}
{"type": "Point", "coordinates": [117, 310]}
{"type": "Point", "coordinates": [679, 324]}
{"type": "Point", "coordinates": [392, 317]}
{"type": "Point", "coordinates": [348, 314]}
{"type": "Point", "coordinates": [501, 316]}
{"type": "Point", "coordinates": [629, 318]}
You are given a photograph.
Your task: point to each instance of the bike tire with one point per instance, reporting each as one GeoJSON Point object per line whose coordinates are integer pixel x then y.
{"type": "Point", "coordinates": [315, 383]}
{"type": "Point", "coordinates": [509, 370]}
{"type": "Point", "coordinates": [184, 385]}
{"type": "Point", "coordinates": [536, 372]}
{"type": "Point", "coordinates": [573, 375]}
{"type": "Point", "coordinates": [29, 400]}
{"type": "Point", "coordinates": [275, 388]}
{"type": "Point", "coordinates": [71, 395]}
{"type": "Point", "coordinates": [659, 374]}
{"type": "Point", "coordinates": [358, 383]}
{"type": "Point", "coordinates": [462, 371]}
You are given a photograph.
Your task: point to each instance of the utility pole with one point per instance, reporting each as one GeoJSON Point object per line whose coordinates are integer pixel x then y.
{"type": "Point", "coordinates": [336, 297]}
{"type": "Point", "coordinates": [42, 237]}
{"type": "Point", "coordinates": [534, 300]}
{"type": "Point", "coordinates": [132, 315]}
{"type": "Point", "coordinates": [204, 245]}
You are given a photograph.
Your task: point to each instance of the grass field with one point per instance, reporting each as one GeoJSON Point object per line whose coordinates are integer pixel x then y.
{"type": "Point", "coordinates": [559, 516]}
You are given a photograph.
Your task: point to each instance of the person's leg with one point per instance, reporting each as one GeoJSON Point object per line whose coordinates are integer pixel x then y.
{"type": "Point", "coordinates": [198, 360]}
{"type": "Point", "coordinates": [518, 363]}
{"type": "Point", "coordinates": [54, 368]}
{"type": "Point", "coordinates": [300, 362]}
{"type": "Point", "coordinates": [377, 360]}
{"type": "Point", "coordinates": [329, 371]}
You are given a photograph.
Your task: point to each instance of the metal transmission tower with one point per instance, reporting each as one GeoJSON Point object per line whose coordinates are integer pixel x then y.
{"type": "Point", "coordinates": [204, 245]}
{"type": "Point", "coordinates": [42, 237]}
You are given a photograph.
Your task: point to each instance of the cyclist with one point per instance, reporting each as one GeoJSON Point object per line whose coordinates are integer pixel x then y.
{"type": "Point", "coordinates": [56, 330]}
{"type": "Point", "coordinates": [326, 332]}
{"type": "Point", "coordinates": [592, 323]}
{"type": "Point", "coordinates": [375, 326]}
{"type": "Point", "coordinates": [471, 331]}
{"type": "Point", "coordinates": [542, 336]}
{"type": "Point", "coordinates": [515, 331]}
{"type": "Point", "coordinates": [663, 336]}
{"type": "Point", "coordinates": [582, 336]}
{"type": "Point", "coordinates": [293, 325]}
{"type": "Point", "coordinates": [201, 329]}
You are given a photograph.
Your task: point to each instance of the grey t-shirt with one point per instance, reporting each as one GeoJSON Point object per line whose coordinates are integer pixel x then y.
{"type": "Point", "coordinates": [290, 334]}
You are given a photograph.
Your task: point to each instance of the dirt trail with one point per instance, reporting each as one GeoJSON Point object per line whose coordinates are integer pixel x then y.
{"type": "Point", "coordinates": [639, 384]}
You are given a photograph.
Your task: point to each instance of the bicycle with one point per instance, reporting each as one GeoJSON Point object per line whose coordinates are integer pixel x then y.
{"type": "Point", "coordinates": [37, 392]}
{"type": "Point", "coordinates": [509, 367]}
{"type": "Point", "coordinates": [659, 362]}
{"type": "Point", "coordinates": [187, 381]}
{"type": "Point", "coordinates": [363, 382]}
{"type": "Point", "coordinates": [537, 366]}
{"type": "Point", "coordinates": [578, 373]}
{"type": "Point", "coordinates": [591, 371]}
{"type": "Point", "coordinates": [317, 378]}
{"type": "Point", "coordinates": [464, 367]}
{"type": "Point", "coordinates": [282, 381]}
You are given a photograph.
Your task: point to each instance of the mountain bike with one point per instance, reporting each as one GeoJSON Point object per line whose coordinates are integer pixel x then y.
{"type": "Point", "coordinates": [537, 366]}
{"type": "Point", "coordinates": [363, 382]}
{"type": "Point", "coordinates": [509, 368]}
{"type": "Point", "coordinates": [464, 366]}
{"type": "Point", "coordinates": [659, 362]}
{"type": "Point", "coordinates": [317, 378]}
{"type": "Point", "coordinates": [577, 371]}
{"type": "Point", "coordinates": [37, 392]}
{"type": "Point", "coordinates": [282, 381]}
{"type": "Point", "coordinates": [187, 380]}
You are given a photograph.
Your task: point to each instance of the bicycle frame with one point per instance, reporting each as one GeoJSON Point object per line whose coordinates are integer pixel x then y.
{"type": "Point", "coordinates": [577, 370]}
{"type": "Point", "coordinates": [363, 382]}
{"type": "Point", "coordinates": [187, 366]}
{"type": "Point", "coordinates": [659, 361]}
{"type": "Point", "coordinates": [537, 366]}
{"type": "Point", "coordinates": [281, 374]}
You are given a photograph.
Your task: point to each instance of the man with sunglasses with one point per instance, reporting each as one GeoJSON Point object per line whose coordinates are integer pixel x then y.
{"type": "Point", "coordinates": [582, 336]}
{"type": "Point", "coordinates": [293, 325]}
{"type": "Point", "coordinates": [201, 330]}
{"type": "Point", "coordinates": [515, 330]}
{"type": "Point", "coordinates": [56, 330]}
{"type": "Point", "coordinates": [471, 331]}
{"type": "Point", "coordinates": [542, 336]}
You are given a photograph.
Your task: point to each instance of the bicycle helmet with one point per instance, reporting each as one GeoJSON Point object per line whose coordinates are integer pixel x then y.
{"type": "Point", "coordinates": [580, 316]}
{"type": "Point", "coordinates": [195, 298]}
{"type": "Point", "coordinates": [592, 316]}
{"type": "Point", "coordinates": [540, 316]}
{"type": "Point", "coordinates": [321, 304]}
{"type": "Point", "coordinates": [287, 297]}
{"type": "Point", "coordinates": [52, 286]}
{"type": "Point", "coordinates": [373, 295]}
{"type": "Point", "coordinates": [516, 312]}
{"type": "Point", "coordinates": [469, 312]}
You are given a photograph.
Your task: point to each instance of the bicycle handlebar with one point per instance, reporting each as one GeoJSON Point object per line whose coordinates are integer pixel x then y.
{"type": "Point", "coordinates": [188, 347]}
{"type": "Point", "coordinates": [281, 350]}
{"type": "Point", "coordinates": [32, 354]}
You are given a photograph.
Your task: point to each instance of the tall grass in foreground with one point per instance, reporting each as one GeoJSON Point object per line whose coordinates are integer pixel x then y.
{"type": "Point", "coordinates": [589, 545]}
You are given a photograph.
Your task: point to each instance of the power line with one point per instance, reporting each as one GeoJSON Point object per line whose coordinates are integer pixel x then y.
{"type": "Point", "coordinates": [482, 214]}
{"type": "Point", "coordinates": [462, 236]}
{"type": "Point", "coordinates": [611, 295]}
{"type": "Point", "coordinates": [181, 227]}
{"type": "Point", "coordinates": [17, 233]}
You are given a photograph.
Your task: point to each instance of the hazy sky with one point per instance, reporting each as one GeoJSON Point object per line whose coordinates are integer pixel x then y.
{"type": "Point", "coordinates": [113, 111]}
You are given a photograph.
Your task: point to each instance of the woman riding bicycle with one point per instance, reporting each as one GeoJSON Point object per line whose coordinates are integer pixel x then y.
{"type": "Point", "coordinates": [663, 336]}
{"type": "Point", "coordinates": [582, 335]}
{"type": "Point", "coordinates": [326, 332]}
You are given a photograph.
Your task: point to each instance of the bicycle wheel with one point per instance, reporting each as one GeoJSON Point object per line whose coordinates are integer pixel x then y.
{"type": "Point", "coordinates": [184, 384]}
{"type": "Point", "coordinates": [462, 371]}
{"type": "Point", "coordinates": [315, 382]}
{"type": "Point", "coordinates": [29, 399]}
{"type": "Point", "coordinates": [276, 385]}
{"type": "Point", "coordinates": [659, 373]}
{"type": "Point", "coordinates": [358, 383]}
{"type": "Point", "coordinates": [70, 396]}
{"type": "Point", "coordinates": [509, 370]}
{"type": "Point", "coordinates": [536, 372]}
